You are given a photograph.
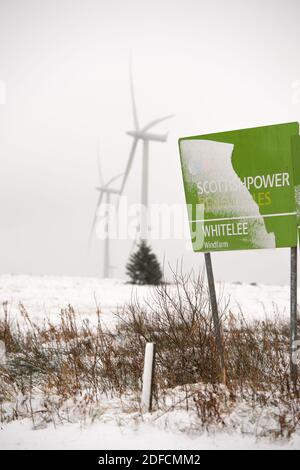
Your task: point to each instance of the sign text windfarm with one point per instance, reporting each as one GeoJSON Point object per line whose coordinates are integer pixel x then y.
{"type": "Point", "coordinates": [243, 181]}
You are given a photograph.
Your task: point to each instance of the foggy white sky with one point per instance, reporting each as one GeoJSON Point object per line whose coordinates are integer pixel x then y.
{"type": "Point", "coordinates": [216, 65]}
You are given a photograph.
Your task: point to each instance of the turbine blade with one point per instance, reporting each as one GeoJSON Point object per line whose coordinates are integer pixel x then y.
{"type": "Point", "coordinates": [156, 137]}
{"type": "Point", "coordinates": [156, 121]}
{"type": "Point", "coordinates": [113, 179]}
{"type": "Point", "coordinates": [95, 215]}
{"type": "Point", "coordinates": [135, 116]}
{"type": "Point", "coordinates": [129, 164]}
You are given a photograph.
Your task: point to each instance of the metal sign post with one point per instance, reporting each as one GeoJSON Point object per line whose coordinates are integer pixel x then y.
{"type": "Point", "coordinates": [293, 333]}
{"type": "Point", "coordinates": [215, 314]}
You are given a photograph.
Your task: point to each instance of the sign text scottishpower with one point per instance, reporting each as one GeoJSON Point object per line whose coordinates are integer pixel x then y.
{"type": "Point", "coordinates": [243, 181]}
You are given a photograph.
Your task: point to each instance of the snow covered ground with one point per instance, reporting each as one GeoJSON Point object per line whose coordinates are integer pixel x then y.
{"type": "Point", "coordinates": [20, 435]}
{"type": "Point", "coordinates": [114, 424]}
{"type": "Point", "coordinates": [44, 296]}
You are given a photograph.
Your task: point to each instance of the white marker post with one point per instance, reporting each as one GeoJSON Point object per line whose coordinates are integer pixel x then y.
{"type": "Point", "coordinates": [148, 375]}
{"type": "Point", "coordinates": [2, 354]}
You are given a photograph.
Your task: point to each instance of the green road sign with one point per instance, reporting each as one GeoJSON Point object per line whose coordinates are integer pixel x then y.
{"type": "Point", "coordinates": [239, 187]}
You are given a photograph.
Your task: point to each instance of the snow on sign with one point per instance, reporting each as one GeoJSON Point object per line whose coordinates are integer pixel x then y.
{"type": "Point", "coordinates": [296, 165]}
{"type": "Point", "coordinates": [239, 187]}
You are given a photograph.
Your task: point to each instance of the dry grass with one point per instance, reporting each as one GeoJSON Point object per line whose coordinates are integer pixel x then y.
{"type": "Point", "coordinates": [77, 359]}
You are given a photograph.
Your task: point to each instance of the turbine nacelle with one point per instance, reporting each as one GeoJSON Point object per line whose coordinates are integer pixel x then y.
{"type": "Point", "coordinates": [147, 136]}
{"type": "Point", "coordinates": [141, 133]}
{"type": "Point", "coordinates": [104, 190]}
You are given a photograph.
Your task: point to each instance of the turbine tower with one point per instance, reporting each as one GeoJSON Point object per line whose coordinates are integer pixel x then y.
{"type": "Point", "coordinates": [107, 191]}
{"type": "Point", "coordinates": [143, 134]}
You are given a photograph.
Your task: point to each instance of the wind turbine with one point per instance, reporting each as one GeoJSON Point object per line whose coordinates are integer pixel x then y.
{"type": "Point", "coordinates": [143, 134]}
{"type": "Point", "coordinates": [107, 191]}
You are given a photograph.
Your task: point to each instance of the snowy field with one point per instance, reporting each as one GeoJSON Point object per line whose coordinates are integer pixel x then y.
{"type": "Point", "coordinates": [102, 436]}
{"type": "Point", "coordinates": [44, 296]}
{"type": "Point", "coordinates": [117, 427]}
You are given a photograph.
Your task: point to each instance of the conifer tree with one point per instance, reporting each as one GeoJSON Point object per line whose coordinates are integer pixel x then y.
{"type": "Point", "coordinates": [143, 266]}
